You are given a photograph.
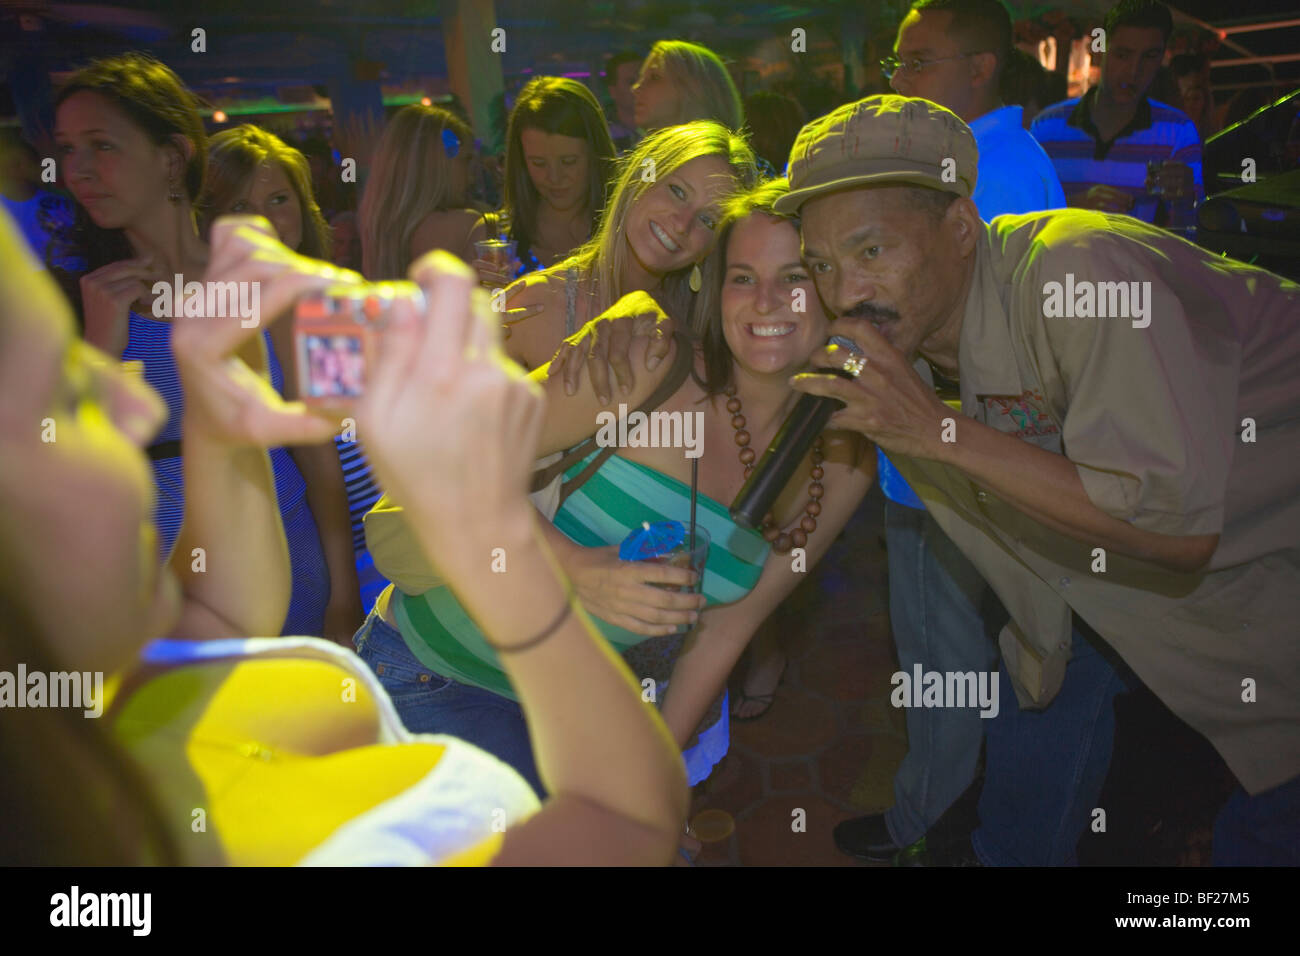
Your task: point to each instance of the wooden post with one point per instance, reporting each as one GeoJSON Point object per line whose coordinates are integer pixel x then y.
{"type": "Point", "coordinates": [474, 47]}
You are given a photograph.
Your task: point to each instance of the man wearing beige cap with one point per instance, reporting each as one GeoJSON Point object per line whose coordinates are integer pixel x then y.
{"type": "Point", "coordinates": [1122, 472]}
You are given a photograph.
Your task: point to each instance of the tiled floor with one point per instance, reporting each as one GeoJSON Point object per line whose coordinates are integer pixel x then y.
{"type": "Point", "coordinates": [828, 748]}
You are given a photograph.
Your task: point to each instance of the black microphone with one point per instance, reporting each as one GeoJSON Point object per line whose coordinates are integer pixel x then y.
{"type": "Point", "coordinates": [791, 442]}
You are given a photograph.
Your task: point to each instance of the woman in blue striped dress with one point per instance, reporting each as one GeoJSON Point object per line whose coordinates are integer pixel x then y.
{"type": "Point", "coordinates": [134, 153]}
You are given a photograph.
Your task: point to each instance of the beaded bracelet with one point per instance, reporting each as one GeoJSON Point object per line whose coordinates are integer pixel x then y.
{"type": "Point", "coordinates": [534, 641]}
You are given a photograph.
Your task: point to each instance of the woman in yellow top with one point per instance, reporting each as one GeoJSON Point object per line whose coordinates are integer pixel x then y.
{"type": "Point", "coordinates": [215, 748]}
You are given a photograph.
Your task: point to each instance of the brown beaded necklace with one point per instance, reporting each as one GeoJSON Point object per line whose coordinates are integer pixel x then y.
{"type": "Point", "coordinates": [781, 541]}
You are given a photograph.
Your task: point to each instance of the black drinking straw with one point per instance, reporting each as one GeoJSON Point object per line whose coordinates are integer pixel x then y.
{"type": "Point", "coordinates": [695, 490]}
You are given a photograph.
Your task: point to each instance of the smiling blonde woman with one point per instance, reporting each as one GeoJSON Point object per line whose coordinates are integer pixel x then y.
{"type": "Point", "coordinates": [658, 229]}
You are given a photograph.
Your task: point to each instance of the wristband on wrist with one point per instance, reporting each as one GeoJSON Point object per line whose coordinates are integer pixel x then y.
{"type": "Point", "coordinates": [538, 639]}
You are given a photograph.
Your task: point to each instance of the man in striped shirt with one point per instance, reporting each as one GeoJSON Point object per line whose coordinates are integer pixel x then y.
{"type": "Point", "coordinates": [1102, 142]}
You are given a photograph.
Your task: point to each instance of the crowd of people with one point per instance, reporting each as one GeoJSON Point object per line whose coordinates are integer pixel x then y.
{"type": "Point", "coordinates": [448, 547]}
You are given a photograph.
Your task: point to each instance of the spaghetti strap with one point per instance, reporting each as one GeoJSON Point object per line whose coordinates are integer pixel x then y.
{"type": "Point", "coordinates": [570, 301]}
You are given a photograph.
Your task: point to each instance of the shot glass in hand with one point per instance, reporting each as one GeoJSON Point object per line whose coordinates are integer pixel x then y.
{"type": "Point", "coordinates": [498, 257]}
{"type": "Point", "coordinates": [1154, 185]}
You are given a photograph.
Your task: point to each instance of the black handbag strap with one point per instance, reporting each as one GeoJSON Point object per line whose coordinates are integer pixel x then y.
{"type": "Point", "coordinates": [677, 373]}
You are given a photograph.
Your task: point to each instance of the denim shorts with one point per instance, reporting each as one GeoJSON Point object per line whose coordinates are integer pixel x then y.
{"type": "Point", "coordinates": [430, 703]}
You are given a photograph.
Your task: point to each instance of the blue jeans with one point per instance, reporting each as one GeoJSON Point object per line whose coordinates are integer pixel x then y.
{"type": "Point", "coordinates": [429, 703]}
{"type": "Point", "coordinates": [1044, 769]}
{"type": "Point", "coordinates": [1263, 830]}
{"type": "Point", "coordinates": [935, 597]}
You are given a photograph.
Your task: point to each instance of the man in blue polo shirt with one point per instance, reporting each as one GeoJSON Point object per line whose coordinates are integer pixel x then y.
{"type": "Point", "coordinates": [951, 52]}
{"type": "Point", "coordinates": [1104, 143]}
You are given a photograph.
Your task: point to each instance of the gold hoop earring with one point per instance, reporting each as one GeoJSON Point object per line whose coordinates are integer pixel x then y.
{"type": "Point", "coordinates": [697, 280]}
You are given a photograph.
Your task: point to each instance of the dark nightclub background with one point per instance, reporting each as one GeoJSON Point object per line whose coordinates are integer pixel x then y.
{"type": "Point", "coordinates": [313, 68]}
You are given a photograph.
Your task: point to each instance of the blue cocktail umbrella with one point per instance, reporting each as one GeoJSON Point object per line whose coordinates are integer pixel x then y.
{"type": "Point", "coordinates": [652, 540]}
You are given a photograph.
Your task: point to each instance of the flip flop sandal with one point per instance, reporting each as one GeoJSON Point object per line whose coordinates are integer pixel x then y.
{"type": "Point", "coordinates": [742, 699]}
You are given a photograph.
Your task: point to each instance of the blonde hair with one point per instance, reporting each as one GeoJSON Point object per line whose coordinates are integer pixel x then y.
{"type": "Point", "coordinates": [604, 257]}
{"type": "Point", "coordinates": [409, 179]}
{"type": "Point", "coordinates": [702, 81]}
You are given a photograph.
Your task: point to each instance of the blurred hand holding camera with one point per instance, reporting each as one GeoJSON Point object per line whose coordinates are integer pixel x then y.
{"type": "Point", "coordinates": [222, 359]}
{"type": "Point", "coordinates": [450, 423]}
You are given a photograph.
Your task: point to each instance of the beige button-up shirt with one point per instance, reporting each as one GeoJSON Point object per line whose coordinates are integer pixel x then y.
{"type": "Point", "coordinates": [1182, 416]}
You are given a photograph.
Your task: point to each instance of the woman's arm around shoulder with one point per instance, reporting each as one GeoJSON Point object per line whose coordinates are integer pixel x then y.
{"type": "Point", "coordinates": [531, 338]}
{"type": "Point", "coordinates": [571, 419]}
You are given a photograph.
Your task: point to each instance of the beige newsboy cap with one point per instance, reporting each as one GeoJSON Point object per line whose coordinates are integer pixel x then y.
{"type": "Point", "coordinates": [881, 139]}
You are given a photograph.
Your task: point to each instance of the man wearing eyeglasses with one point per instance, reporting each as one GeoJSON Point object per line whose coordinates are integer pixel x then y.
{"type": "Point", "coordinates": [951, 52]}
{"type": "Point", "coordinates": [1117, 150]}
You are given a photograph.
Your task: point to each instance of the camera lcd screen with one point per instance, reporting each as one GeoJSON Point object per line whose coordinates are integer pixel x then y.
{"type": "Point", "coordinates": [334, 365]}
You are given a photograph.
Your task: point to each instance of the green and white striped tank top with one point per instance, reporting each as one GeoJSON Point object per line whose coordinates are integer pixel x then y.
{"type": "Point", "coordinates": [618, 498]}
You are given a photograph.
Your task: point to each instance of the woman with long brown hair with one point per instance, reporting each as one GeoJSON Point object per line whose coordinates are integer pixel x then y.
{"type": "Point", "coordinates": [417, 192]}
{"type": "Point", "coordinates": [134, 154]}
{"type": "Point", "coordinates": [254, 172]}
{"type": "Point", "coordinates": [559, 160]}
